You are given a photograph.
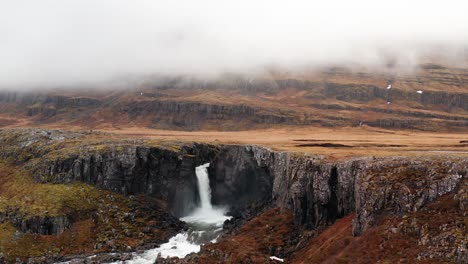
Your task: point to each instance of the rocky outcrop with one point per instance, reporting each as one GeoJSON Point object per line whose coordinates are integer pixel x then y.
{"type": "Point", "coordinates": [226, 82]}
{"type": "Point", "coordinates": [23, 98]}
{"type": "Point", "coordinates": [58, 101]}
{"type": "Point", "coordinates": [195, 115]}
{"type": "Point", "coordinates": [419, 114]}
{"type": "Point", "coordinates": [400, 186]}
{"type": "Point", "coordinates": [44, 225]}
{"type": "Point", "coordinates": [366, 93]}
{"type": "Point", "coordinates": [345, 92]}
{"type": "Point", "coordinates": [44, 111]}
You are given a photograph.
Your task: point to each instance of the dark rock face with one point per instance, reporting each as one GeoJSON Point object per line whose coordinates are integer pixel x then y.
{"type": "Point", "coordinates": [58, 101]}
{"type": "Point", "coordinates": [400, 186]}
{"type": "Point", "coordinates": [44, 225]}
{"type": "Point", "coordinates": [48, 225]}
{"type": "Point", "coordinates": [319, 191]}
{"type": "Point", "coordinates": [44, 111]}
{"type": "Point", "coordinates": [236, 178]}
{"type": "Point", "coordinates": [365, 93]}
{"type": "Point", "coordinates": [315, 190]}
{"type": "Point", "coordinates": [238, 181]}
{"type": "Point", "coordinates": [165, 174]}
{"type": "Point", "coordinates": [194, 115]}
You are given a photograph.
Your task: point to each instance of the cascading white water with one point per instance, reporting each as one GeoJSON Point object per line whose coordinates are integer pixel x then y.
{"type": "Point", "coordinates": [204, 186]}
{"type": "Point", "coordinates": [205, 225]}
{"type": "Point", "coordinates": [205, 215]}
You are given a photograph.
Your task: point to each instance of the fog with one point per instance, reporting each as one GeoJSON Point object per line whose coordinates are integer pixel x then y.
{"type": "Point", "coordinates": [72, 42]}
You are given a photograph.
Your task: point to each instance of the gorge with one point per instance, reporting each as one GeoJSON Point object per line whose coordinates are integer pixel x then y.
{"type": "Point", "coordinates": [247, 179]}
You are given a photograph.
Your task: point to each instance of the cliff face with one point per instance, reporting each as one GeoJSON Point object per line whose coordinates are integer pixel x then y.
{"type": "Point", "coordinates": [400, 186]}
{"type": "Point", "coordinates": [365, 93]}
{"type": "Point", "coordinates": [317, 190]}
{"type": "Point", "coordinates": [167, 175]}
{"type": "Point", "coordinates": [59, 101]}
{"type": "Point", "coordinates": [238, 181]}
{"type": "Point", "coordinates": [197, 115]}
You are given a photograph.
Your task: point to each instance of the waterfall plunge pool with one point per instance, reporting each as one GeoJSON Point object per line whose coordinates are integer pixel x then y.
{"type": "Point", "coordinates": [205, 225]}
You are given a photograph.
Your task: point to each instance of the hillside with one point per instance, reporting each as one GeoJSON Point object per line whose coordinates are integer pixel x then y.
{"type": "Point", "coordinates": [331, 97]}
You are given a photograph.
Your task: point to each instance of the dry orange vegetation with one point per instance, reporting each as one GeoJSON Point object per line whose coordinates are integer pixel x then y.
{"type": "Point", "coordinates": [255, 242]}
{"type": "Point", "coordinates": [79, 238]}
{"type": "Point", "coordinates": [381, 243]}
{"type": "Point", "coordinates": [329, 245]}
{"type": "Point", "coordinates": [332, 142]}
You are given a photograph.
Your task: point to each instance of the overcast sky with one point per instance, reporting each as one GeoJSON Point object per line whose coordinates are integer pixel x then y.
{"type": "Point", "coordinates": [63, 42]}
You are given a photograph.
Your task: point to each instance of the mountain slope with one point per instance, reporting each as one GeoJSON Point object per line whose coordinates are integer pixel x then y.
{"type": "Point", "coordinates": [433, 98]}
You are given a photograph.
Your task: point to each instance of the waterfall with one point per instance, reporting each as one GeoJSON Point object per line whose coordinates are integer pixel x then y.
{"type": "Point", "coordinates": [205, 225]}
{"type": "Point", "coordinates": [204, 186]}
{"type": "Point", "coordinates": [205, 217]}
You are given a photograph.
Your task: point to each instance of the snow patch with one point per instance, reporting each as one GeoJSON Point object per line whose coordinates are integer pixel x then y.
{"type": "Point", "coordinates": [277, 259]}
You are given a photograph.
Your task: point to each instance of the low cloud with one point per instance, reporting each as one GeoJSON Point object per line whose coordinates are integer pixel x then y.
{"type": "Point", "coordinates": [72, 42]}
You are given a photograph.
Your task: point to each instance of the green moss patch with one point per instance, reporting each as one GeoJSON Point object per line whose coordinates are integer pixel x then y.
{"type": "Point", "coordinates": [19, 191]}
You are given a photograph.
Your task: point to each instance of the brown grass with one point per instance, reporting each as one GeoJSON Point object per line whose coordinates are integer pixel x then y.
{"type": "Point", "coordinates": [336, 244]}
{"type": "Point", "coordinates": [361, 141]}
{"type": "Point", "coordinates": [254, 240]}
{"type": "Point", "coordinates": [357, 141]}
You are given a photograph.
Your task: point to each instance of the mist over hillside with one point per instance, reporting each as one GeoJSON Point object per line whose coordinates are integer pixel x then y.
{"type": "Point", "coordinates": [94, 43]}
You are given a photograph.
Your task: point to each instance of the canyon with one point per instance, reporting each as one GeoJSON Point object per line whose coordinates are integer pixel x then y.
{"type": "Point", "coordinates": [309, 192]}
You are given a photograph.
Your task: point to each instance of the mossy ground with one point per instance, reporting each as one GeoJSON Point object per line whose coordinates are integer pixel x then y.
{"type": "Point", "coordinates": [18, 190]}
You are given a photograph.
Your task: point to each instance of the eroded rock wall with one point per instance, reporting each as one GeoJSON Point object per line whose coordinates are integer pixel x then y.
{"type": "Point", "coordinates": [319, 191]}
{"type": "Point", "coordinates": [168, 175]}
